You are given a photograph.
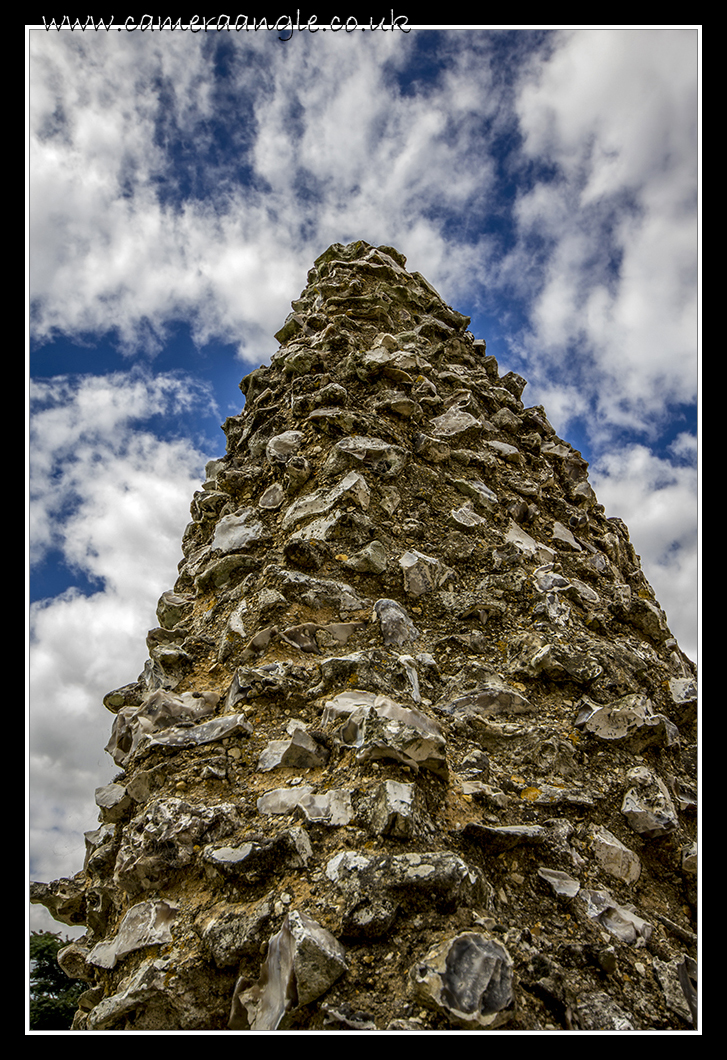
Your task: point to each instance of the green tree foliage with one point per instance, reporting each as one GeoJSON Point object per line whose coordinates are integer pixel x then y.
{"type": "Point", "coordinates": [53, 996]}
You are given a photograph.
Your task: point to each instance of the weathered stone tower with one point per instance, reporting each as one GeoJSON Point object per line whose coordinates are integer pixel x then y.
{"type": "Point", "coordinates": [414, 747]}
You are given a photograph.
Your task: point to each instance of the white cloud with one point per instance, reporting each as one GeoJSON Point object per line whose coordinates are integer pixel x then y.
{"type": "Point", "coordinates": [114, 498]}
{"type": "Point", "coordinates": [657, 499]}
{"type": "Point", "coordinates": [615, 114]}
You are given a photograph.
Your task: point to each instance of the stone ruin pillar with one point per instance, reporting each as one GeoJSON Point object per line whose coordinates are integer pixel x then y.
{"type": "Point", "coordinates": [414, 748]}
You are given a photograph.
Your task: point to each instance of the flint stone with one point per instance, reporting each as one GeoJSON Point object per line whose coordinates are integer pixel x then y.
{"type": "Point", "coordinates": [299, 752]}
{"type": "Point", "coordinates": [564, 538]}
{"type": "Point", "coordinates": [172, 608]}
{"type": "Point", "coordinates": [647, 806]}
{"type": "Point", "coordinates": [457, 425]}
{"type": "Point", "coordinates": [272, 498]}
{"type": "Point", "coordinates": [431, 449]}
{"type": "Point", "coordinates": [384, 459]}
{"type": "Point", "coordinates": [649, 618]}
{"type": "Point", "coordinates": [392, 812]}
{"type": "Point", "coordinates": [304, 960]}
{"type": "Point", "coordinates": [506, 451]}
{"type": "Point", "coordinates": [65, 899]}
{"type": "Point", "coordinates": [342, 419]}
{"type": "Point", "coordinates": [667, 973]}
{"type": "Point", "coordinates": [422, 573]}
{"type": "Point", "coordinates": [72, 959]}
{"type": "Point", "coordinates": [492, 696]}
{"type": "Point", "coordinates": [630, 720]}
{"type": "Point", "coordinates": [469, 979]}
{"type": "Point", "coordinates": [683, 691]}
{"type": "Point", "coordinates": [297, 472]}
{"type": "Point", "coordinates": [620, 921]}
{"type": "Point", "coordinates": [370, 560]}
{"type": "Point", "coordinates": [147, 983]}
{"type": "Point", "coordinates": [525, 543]}
{"type": "Point", "coordinates": [252, 860]}
{"type": "Point", "coordinates": [161, 839]}
{"type": "Point", "coordinates": [318, 593]}
{"type": "Point", "coordinates": [113, 801]}
{"type": "Point", "coordinates": [280, 448]}
{"type": "Point", "coordinates": [599, 1012]}
{"type": "Point", "coordinates": [381, 728]}
{"type": "Point", "coordinates": [396, 626]}
{"type": "Point", "coordinates": [331, 807]}
{"type": "Point", "coordinates": [352, 488]}
{"type": "Point", "coordinates": [160, 710]}
{"type": "Point", "coordinates": [206, 732]}
{"type": "Point", "coordinates": [613, 856]}
{"type": "Point", "coordinates": [561, 882]}
{"type": "Point", "coordinates": [465, 517]}
{"type": "Point", "coordinates": [237, 531]}
{"type": "Point", "coordinates": [231, 932]}
{"type": "Point", "coordinates": [146, 924]}
{"type": "Point", "coordinates": [374, 885]}
{"type": "Point", "coordinates": [478, 491]}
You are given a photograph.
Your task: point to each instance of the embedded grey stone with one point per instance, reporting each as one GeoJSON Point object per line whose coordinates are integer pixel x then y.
{"type": "Point", "coordinates": [162, 838]}
{"type": "Point", "coordinates": [422, 573]}
{"type": "Point", "coordinates": [667, 974]}
{"type": "Point", "coordinates": [481, 494]}
{"type": "Point", "coordinates": [469, 979]}
{"type": "Point", "coordinates": [599, 1012]}
{"type": "Point", "coordinates": [647, 805]}
{"type": "Point", "coordinates": [299, 752]}
{"type": "Point", "coordinates": [649, 618]}
{"type": "Point", "coordinates": [297, 471]}
{"type": "Point", "coordinates": [564, 538]}
{"type": "Point", "coordinates": [146, 924]}
{"type": "Point", "coordinates": [432, 450]}
{"type": "Point", "coordinates": [318, 593]}
{"type": "Point", "coordinates": [618, 860]}
{"type": "Point", "coordinates": [381, 728]}
{"type": "Point", "coordinates": [383, 459]}
{"type": "Point", "coordinates": [525, 543]}
{"type": "Point", "coordinates": [232, 931]}
{"type": "Point", "coordinates": [272, 498]}
{"type": "Point", "coordinates": [561, 882]}
{"type": "Point", "coordinates": [622, 922]}
{"type": "Point", "coordinates": [352, 488]}
{"type": "Point", "coordinates": [113, 801]}
{"type": "Point", "coordinates": [465, 517]}
{"type": "Point", "coordinates": [393, 809]}
{"type": "Point", "coordinates": [282, 800]}
{"type": "Point", "coordinates": [396, 626]}
{"type": "Point", "coordinates": [303, 961]}
{"type": "Point", "coordinates": [280, 448]}
{"type": "Point", "coordinates": [147, 983]}
{"type": "Point", "coordinates": [457, 425]}
{"type": "Point", "coordinates": [628, 719]}
{"type": "Point", "coordinates": [505, 451]}
{"type": "Point", "coordinates": [491, 696]}
{"type": "Point", "coordinates": [160, 710]}
{"type": "Point", "coordinates": [237, 531]}
{"type": "Point", "coordinates": [172, 608]}
{"type": "Point", "coordinates": [370, 560]}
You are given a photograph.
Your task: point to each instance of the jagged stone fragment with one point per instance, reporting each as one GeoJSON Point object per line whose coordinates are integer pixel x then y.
{"type": "Point", "coordinates": [303, 961]}
{"type": "Point", "coordinates": [146, 924]}
{"type": "Point", "coordinates": [647, 805]}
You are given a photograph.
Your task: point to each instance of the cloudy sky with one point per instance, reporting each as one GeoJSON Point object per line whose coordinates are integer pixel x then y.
{"type": "Point", "coordinates": [181, 184]}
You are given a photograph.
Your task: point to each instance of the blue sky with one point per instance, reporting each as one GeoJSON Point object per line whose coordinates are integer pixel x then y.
{"type": "Point", "coordinates": [546, 182]}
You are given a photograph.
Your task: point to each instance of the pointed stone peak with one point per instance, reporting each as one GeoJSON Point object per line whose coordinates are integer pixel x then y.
{"type": "Point", "coordinates": [414, 747]}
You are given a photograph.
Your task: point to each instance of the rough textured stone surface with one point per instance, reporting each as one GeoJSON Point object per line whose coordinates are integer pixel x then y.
{"type": "Point", "coordinates": [414, 748]}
